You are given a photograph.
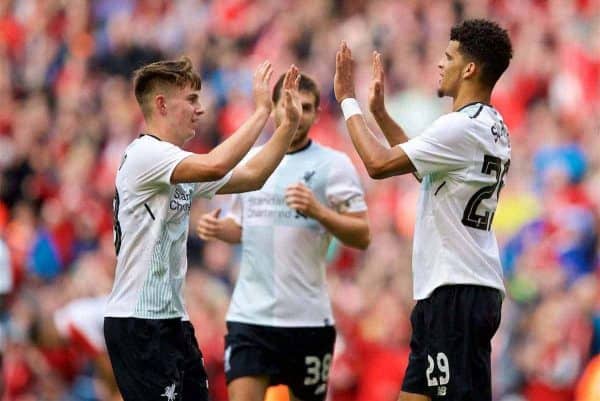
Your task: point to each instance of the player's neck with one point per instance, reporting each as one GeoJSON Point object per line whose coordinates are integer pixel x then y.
{"type": "Point", "coordinates": [299, 146]}
{"type": "Point", "coordinates": [471, 95]}
{"type": "Point", "coordinates": [162, 133]}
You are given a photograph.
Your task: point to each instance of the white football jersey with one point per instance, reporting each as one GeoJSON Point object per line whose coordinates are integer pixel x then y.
{"type": "Point", "coordinates": [463, 158]}
{"type": "Point", "coordinates": [151, 230]}
{"type": "Point", "coordinates": [282, 275]}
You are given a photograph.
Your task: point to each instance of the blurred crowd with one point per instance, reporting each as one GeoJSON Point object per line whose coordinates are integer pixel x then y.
{"type": "Point", "coordinates": [68, 113]}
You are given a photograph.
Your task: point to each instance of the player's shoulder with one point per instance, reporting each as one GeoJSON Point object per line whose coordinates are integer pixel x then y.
{"type": "Point", "coordinates": [330, 154]}
{"type": "Point", "coordinates": [147, 149]}
{"type": "Point", "coordinates": [473, 121]}
{"type": "Point", "coordinates": [474, 110]}
{"type": "Point", "coordinates": [458, 119]}
{"type": "Point", "coordinates": [479, 114]}
{"type": "Point", "coordinates": [149, 143]}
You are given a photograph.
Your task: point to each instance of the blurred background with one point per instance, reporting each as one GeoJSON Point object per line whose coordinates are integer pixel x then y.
{"type": "Point", "coordinates": [68, 113]}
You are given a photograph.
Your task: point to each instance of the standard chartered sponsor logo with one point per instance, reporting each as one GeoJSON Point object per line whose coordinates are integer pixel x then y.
{"type": "Point", "coordinates": [266, 200]}
{"type": "Point", "coordinates": [181, 201]}
{"type": "Point", "coordinates": [268, 206]}
{"type": "Point", "coordinates": [281, 214]}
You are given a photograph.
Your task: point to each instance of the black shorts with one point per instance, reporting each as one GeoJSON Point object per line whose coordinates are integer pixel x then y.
{"type": "Point", "coordinates": [156, 360]}
{"type": "Point", "coordinates": [450, 349]}
{"type": "Point", "coordinates": [299, 357]}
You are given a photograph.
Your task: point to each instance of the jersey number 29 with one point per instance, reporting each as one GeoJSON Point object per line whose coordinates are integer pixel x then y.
{"type": "Point", "coordinates": [491, 164]}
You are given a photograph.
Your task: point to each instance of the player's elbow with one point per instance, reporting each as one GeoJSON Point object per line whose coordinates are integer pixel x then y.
{"type": "Point", "coordinates": [256, 185]}
{"type": "Point", "coordinates": [363, 242]}
{"type": "Point", "coordinates": [201, 171]}
{"type": "Point", "coordinates": [217, 171]}
{"type": "Point", "coordinates": [376, 170]}
{"type": "Point", "coordinates": [198, 169]}
{"type": "Point", "coordinates": [361, 239]}
{"type": "Point", "coordinates": [255, 179]}
{"type": "Point", "coordinates": [376, 175]}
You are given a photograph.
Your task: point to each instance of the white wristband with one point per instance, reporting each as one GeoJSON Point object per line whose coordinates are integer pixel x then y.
{"type": "Point", "coordinates": [350, 107]}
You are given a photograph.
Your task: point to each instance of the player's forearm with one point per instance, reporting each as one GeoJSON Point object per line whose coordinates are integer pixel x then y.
{"type": "Point", "coordinates": [350, 230]}
{"type": "Point", "coordinates": [231, 151]}
{"type": "Point", "coordinates": [392, 131]}
{"type": "Point", "coordinates": [262, 165]}
{"type": "Point", "coordinates": [372, 152]}
{"type": "Point", "coordinates": [229, 231]}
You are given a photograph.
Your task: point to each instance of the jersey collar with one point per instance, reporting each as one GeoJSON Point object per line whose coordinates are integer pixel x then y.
{"type": "Point", "coordinates": [301, 149]}
{"type": "Point", "coordinates": [473, 103]}
{"type": "Point", "coordinates": [153, 136]}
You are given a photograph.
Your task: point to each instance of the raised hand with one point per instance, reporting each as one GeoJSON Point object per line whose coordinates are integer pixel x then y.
{"type": "Point", "coordinates": [261, 90]}
{"type": "Point", "coordinates": [207, 227]}
{"type": "Point", "coordinates": [376, 90]}
{"type": "Point", "coordinates": [343, 82]}
{"type": "Point", "coordinates": [291, 96]}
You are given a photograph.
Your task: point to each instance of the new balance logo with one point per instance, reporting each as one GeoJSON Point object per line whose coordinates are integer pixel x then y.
{"type": "Point", "coordinates": [170, 392]}
{"type": "Point", "coordinates": [441, 391]}
{"type": "Point", "coordinates": [321, 389]}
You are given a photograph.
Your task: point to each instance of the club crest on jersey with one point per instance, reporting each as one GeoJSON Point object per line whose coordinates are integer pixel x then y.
{"type": "Point", "coordinates": [307, 177]}
{"type": "Point", "coordinates": [321, 389]}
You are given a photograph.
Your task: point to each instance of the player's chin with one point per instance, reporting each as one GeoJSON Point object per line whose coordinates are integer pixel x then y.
{"type": "Point", "coordinates": [301, 133]}
{"type": "Point", "coordinates": [441, 92]}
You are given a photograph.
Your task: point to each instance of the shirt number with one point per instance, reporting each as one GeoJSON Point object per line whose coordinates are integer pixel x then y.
{"type": "Point", "coordinates": [317, 370]}
{"type": "Point", "coordinates": [443, 367]}
{"type": "Point", "coordinates": [491, 164]}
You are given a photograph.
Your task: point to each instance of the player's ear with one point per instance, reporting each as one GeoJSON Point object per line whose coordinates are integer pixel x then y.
{"type": "Point", "coordinates": [470, 70]}
{"type": "Point", "coordinates": [160, 104]}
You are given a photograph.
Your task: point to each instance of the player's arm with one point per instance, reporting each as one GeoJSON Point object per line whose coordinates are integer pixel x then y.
{"type": "Point", "coordinates": [210, 227]}
{"type": "Point", "coordinates": [252, 175]}
{"type": "Point", "coordinates": [352, 229]}
{"type": "Point", "coordinates": [218, 162]}
{"type": "Point", "coordinates": [392, 131]}
{"type": "Point", "coordinates": [381, 161]}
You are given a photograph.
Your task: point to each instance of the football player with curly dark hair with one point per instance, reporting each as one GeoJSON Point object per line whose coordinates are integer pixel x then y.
{"type": "Point", "coordinates": [462, 159]}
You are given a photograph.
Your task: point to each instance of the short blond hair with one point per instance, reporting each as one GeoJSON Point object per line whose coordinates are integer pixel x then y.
{"type": "Point", "coordinates": [179, 73]}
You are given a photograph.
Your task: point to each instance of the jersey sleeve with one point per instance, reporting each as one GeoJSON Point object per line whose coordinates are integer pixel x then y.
{"type": "Point", "coordinates": [209, 189]}
{"type": "Point", "coordinates": [153, 165]}
{"type": "Point", "coordinates": [443, 147]}
{"type": "Point", "coordinates": [344, 192]}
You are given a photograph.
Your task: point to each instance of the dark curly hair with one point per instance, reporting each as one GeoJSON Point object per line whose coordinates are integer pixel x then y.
{"type": "Point", "coordinates": [486, 43]}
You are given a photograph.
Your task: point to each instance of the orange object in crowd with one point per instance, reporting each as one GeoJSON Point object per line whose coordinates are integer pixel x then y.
{"type": "Point", "coordinates": [277, 393]}
{"type": "Point", "coordinates": [588, 387]}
